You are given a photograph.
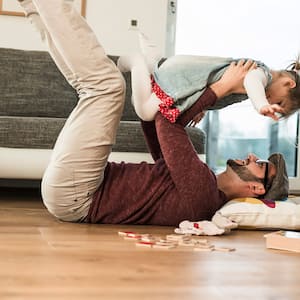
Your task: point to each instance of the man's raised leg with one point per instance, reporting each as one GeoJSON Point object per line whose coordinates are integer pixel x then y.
{"type": "Point", "coordinates": [35, 19]}
{"type": "Point", "coordinates": [84, 144]}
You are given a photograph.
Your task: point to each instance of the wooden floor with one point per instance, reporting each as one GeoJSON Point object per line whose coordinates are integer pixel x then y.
{"type": "Point", "coordinates": [42, 258]}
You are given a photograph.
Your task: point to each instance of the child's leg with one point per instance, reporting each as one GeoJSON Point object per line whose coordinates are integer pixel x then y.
{"type": "Point", "coordinates": [150, 51]}
{"type": "Point", "coordinates": [144, 101]}
{"type": "Point", "coordinates": [83, 146]}
{"type": "Point", "coordinates": [141, 65]}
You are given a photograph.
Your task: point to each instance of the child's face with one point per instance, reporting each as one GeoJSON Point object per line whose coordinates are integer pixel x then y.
{"type": "Point", "coordinates": [278, 92]}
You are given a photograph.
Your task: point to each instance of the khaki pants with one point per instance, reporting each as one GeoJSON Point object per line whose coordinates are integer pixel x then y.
{"type": "Point", "coordinates": [82, 148]}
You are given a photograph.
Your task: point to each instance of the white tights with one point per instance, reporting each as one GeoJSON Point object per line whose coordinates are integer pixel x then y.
{"type": "Point", "coordinates": [141, 65]}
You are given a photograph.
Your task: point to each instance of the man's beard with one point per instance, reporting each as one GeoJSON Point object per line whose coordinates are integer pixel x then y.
{"type": "Point", "coordinates": [242, 171]}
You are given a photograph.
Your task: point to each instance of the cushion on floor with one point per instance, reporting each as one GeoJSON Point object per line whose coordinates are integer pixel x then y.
{"type": "Point", "coordinates": [252, 213]}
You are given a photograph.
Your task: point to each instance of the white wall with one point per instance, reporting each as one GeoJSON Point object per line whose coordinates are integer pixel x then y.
{"type": "Point", "coordinates": [17, 32]}
{"type": "Point", "coordinates": [110, 20]}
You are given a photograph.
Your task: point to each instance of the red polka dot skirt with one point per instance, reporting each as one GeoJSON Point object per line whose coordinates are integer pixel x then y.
{"type": "Point", "coordinates": [165, 107]}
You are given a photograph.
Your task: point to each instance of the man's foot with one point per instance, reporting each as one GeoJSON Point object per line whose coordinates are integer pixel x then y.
{"type": "Point", "coordinates": [28, 7]}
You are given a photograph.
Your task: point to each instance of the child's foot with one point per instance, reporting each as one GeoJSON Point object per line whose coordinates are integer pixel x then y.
{"type": "Point", "coordinates": [150, 51]}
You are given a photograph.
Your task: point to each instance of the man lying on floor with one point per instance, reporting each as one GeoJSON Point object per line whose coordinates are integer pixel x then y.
{"type": "Point", "coordinates": [80, 185]}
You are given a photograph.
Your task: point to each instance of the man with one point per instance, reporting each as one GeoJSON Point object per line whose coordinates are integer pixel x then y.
{"type": "Point", "coordinates": [79, 184]}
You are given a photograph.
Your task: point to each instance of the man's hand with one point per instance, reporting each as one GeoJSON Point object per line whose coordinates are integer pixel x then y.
{"type": "Point", "coordinates": [197, 119]}
{"type": "Point", "coordinates": [271, 110]}
{"type": "Point", "coordinates": [232, 80]}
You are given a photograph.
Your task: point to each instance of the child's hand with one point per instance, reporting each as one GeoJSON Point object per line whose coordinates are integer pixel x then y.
{"type": "Point", "coordinates": [271, 110]}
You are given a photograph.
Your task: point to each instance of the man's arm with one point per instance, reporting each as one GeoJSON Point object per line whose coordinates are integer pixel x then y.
{"type": "Point", "coordinates": [151, 139]}
{"type": "Point", "coordinates": [200, 105]}
{"type": "Point", "coordinates": [149, 128]}
{"type": "Point", "coordinates": [192, 178]}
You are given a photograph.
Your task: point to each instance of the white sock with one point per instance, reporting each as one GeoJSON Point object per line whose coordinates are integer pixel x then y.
{"type": "Point", "coordinates": [28, 7]}
{"type": "Point", "coordinates": [150, 51]}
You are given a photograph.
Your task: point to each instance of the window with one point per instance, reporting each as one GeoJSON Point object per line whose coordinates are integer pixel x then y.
{"type": "Point", "coordinates": [265, 30]}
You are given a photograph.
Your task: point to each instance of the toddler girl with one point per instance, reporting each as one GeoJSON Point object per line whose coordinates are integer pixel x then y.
{"type": "Point", "coordinates": [176, 83]}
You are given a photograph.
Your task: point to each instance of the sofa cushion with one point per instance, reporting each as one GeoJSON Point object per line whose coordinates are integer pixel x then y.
{"type": "Point", "coordinates": [29, 132]}
{"type": "Point", "coordinates": [131, 136]}
{"type": "Point", "coordinates": [36, 99]}
{"type": "Point", "coordinates": [41, 133]}
{"type": "Point", "coordinates": [32, 86]}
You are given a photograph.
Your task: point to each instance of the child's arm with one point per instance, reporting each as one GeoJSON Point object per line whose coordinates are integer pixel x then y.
{"type": "Point", "coordinates": [255, 83]}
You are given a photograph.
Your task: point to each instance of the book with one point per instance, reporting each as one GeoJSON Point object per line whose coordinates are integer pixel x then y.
{"type": "Point", "coordinates": [283, 240]}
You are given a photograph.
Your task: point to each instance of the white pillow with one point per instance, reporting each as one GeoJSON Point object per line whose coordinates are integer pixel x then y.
{"type": "Point", "coordinates": [254, 213]}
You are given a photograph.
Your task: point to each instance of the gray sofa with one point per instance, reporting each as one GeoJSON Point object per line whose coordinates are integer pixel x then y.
{"type": "Point", "coordinates": [35, 101]}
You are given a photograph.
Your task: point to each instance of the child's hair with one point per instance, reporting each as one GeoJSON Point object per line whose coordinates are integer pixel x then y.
{"type": "Point", "coordinates": [294, 69]}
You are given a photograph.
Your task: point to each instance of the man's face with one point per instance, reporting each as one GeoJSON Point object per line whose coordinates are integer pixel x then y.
{"type": "Point", "coordinates": [251, 169]}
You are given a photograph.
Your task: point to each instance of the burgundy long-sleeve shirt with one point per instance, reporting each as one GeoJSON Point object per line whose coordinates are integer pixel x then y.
{"type": "Point", "coordinates": [177, 186]}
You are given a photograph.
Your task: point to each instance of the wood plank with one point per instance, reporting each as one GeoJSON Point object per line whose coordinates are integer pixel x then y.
{"type": "Point", "coordinates": [43, 258]}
